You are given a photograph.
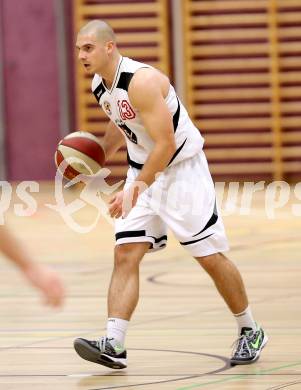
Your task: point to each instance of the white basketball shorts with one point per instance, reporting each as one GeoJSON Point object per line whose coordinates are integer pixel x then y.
{"type": "Point", "coordinates": [182, 199]}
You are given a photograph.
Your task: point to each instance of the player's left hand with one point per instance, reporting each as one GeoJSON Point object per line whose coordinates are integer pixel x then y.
{"type": "Point", "coordinates": [123, 202]}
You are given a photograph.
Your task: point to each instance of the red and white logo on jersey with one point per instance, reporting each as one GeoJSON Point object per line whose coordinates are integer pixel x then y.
{"type": "Point", "coordinates": [125, 110]}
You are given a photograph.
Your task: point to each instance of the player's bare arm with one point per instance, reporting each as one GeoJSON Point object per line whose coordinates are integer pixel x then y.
{"type": "Point", "coordinates": [147, 93]}
{"type": "Point", "coordinates": [112, 140]}
{"type": "Point", "coordinates": [39, 275]}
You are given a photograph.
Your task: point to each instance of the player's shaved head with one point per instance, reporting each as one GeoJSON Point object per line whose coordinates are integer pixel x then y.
{"type": "Point", "coordinates": [100, 29]}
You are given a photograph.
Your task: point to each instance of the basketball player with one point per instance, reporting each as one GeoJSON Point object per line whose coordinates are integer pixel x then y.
{"type": "Point", "coordinates": [39, 276]}
{"type": "Point", "coordinates": [144, 109]}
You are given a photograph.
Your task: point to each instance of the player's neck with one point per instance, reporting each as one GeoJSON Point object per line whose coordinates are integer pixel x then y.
{"type": "Point", "coordinates": [109, 73]}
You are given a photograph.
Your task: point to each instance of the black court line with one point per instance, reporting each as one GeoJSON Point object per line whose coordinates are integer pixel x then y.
{"type": "Point", "coordinates": [180, 377]}
{"type": "Point", "coordinates": [225, 367]}
{"type": "Point", "coordinates": [93, 375]}
{"type": "Point", "coordinates": [284, 385]}
{"type": "Point", "coordinates": [135, 324]}
{"type": "Point", "coordinates": [147, 375]}
{"type": "Point", "coordinates": [97, 331]}
{"type": "Point", "coordinates": [113, 374]}
{"type": "Point", "coordinates": [262, 374]}
{"type": "Point", "coordinates": [152, 279]}
{"type": "Point", "coordinates": [239, 247]}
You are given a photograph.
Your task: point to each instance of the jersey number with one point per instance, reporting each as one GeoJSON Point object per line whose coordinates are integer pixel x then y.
{"type": "Point", "coordinates": [125, 110]}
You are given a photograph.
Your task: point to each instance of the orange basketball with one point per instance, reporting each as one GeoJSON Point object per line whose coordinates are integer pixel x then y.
{"type": "Point", "coordinates": [81, 153]}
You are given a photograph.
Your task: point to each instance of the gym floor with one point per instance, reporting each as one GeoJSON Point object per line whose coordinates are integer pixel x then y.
{"type": "Point", "coordinates": [181, 334]}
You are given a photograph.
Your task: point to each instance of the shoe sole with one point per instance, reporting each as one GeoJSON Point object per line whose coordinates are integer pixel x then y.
{"type": "Point", "coordinates": [85, 351]}
{"type": "Point", "coordinates": [242, 363]}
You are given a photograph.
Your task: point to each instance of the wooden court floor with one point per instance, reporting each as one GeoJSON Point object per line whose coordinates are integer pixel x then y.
{"type": "Point", "coordinates": [181, 334]}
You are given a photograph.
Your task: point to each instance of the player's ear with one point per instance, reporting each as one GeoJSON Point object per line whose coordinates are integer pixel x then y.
{"type": "Point", "coordinates": [110, 46]}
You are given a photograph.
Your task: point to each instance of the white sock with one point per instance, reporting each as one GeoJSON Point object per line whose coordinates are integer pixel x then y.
{"type": "Point", "coordinates": [116, 329]}
{"type": "Point", "coordinates": [245, 320]}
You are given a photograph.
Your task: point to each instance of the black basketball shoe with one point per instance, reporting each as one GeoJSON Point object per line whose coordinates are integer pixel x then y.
{"type": "Point", "coordinates": [101, 352]}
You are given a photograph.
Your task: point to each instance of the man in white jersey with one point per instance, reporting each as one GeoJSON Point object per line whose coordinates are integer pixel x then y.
{"type": "Point", "coordinates": [144, 109]}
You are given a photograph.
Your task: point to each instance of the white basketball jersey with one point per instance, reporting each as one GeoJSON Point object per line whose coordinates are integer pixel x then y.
{"type": "Point", "coordinates": [116, 104]}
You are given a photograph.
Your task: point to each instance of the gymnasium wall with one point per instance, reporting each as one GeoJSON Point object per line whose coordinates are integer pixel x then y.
{"type": "Point", "coordinates": [31, 95]}
{"type": "Point", "coordinates": [243, 78]}
{"type": "Point", "coordinates": [241, 73]}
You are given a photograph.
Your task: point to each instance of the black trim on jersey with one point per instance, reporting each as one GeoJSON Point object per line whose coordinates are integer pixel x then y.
{"type": "Point", "coordinates": [115, 78]}
{"type": "Point", "coordinates": [194, 241]}
{"type": "Point", "coordinates": [132, 163]}
{"type": "Point", "coordinates": [177, 152]}
{"type": "Point", "coordinates": [130, 233]}
{"type": "Point", "coordinates": [212, 221]}
{"type": "Point", "coordinates": [99, 91]}
{"type": "Point", "coordinates": [129, 133]}
{"type": "Point", "coordinates": [176, 117]}
{"type": "Point", "coordinates": [124, 80]}
{"type": "Point", "coordinates": [136, 165]}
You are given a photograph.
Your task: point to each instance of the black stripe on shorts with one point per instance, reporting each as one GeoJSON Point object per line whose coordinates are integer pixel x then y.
{"type": "Point", "coordinates": [194, 241]}
{"type": "Point", "coordinates": [130, 233]}
{"type": "Point", "coordinates": [138, 233]}
{"type": "Point", "coordinates": [213, 219]}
